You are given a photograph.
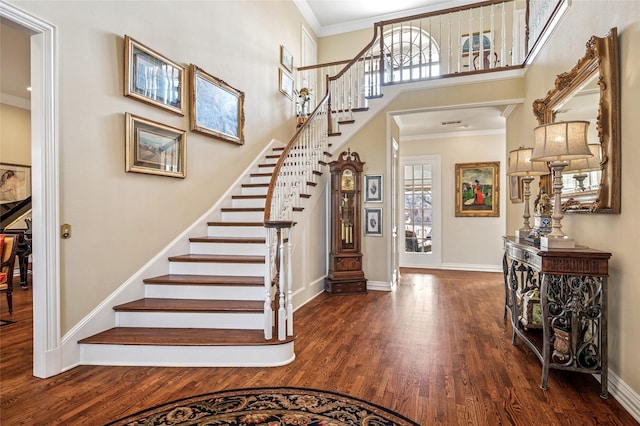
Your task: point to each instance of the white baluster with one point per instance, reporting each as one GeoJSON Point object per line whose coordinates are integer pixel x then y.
{"type": "Point", "coordinates": [281, 291]}
{"type": "Point", "coordinates": [268, 314]}
{"type": "Point", "coordinates": [289, 286]}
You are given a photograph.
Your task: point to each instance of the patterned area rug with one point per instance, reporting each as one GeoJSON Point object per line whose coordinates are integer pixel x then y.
{"type": "Point", "coordinates": [268, 406]}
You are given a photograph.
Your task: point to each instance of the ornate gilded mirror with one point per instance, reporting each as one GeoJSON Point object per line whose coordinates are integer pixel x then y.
{"type": "Point", "coordinates": [590, 91]}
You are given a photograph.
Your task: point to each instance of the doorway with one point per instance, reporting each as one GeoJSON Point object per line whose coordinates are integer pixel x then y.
{"type": "Point", "coordinates": [45, 191]}
{"type": "Point", "coordinates": [419, 207]}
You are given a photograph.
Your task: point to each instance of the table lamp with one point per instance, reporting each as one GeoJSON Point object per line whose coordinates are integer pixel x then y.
{"type": "Point", "coordinates": [559, 143]}
{"type": "Point", "coordinates": [520, 164]}
{"type": "Point", "coordinates": [581, 167]}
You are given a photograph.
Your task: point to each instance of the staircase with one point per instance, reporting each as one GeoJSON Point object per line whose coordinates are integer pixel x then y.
{"type": "Point", "coordinates": [209, 309]}
{"type": "Point", "coordinates": [220, 304]}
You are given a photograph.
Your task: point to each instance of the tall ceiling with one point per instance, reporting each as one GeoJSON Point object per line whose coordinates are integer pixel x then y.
{"type": "Point", "coordinates": [329, 17]}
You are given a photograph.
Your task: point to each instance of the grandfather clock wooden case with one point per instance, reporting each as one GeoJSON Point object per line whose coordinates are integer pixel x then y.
{"type": "Point", "coordinates": [345, 259]}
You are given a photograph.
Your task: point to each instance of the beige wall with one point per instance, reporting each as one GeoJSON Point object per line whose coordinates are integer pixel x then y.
{"type": "Point", "coordinates": [121, 220]}
{"type": "Point", "coordinates": [15, 135]}
{"type": "Point", "coordinates": [372, 144]}
{"type": "Point", "coordinates": [466, 241]}
{"type": "Point", "coordinates": [618, 234]}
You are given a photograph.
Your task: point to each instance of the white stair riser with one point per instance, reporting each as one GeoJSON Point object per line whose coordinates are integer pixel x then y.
{"type": "Point", "coordinates": [242, 203]}
{"type": "Point", "coordinates": [241, 321]}
{"type": "Point", "coordinates": [187, 356]}
{"type": "Point", "coordinates": [254, 190]}
{"type": "Point", "coordinates": [239, 216]}
{"type": "Point", "coordinates": [209, 292]}
{"type": "Point", "coordinates": [268, 169]}
{"type": "Point", "coordinates": [260, 179]}
{"type": "Point", "coordinates": [237, 231]}
{"type": "Point", "coordinates": [227, 248]}
{"type": "Point", "coordinates": [207, 268]}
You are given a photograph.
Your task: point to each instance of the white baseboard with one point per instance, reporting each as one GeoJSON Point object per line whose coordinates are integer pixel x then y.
{"type": "Point", "coordinates": [626, 396]}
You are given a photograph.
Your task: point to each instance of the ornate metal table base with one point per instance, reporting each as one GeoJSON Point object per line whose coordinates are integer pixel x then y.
{"type": "Point", "coordinates": [572, 286]}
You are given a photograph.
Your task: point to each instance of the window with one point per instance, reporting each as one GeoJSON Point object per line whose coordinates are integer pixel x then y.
{"type": "Point", "coordinates": [418, 213]}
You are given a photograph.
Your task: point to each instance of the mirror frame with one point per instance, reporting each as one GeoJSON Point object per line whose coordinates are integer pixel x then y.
{"type": "Point", "coordinates": [601, 57]}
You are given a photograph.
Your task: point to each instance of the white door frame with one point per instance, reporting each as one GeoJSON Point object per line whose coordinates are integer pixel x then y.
{"type": "Point", "coordinates": [418, 260]}
{"type": "Point", "coordinates": [45, 189]}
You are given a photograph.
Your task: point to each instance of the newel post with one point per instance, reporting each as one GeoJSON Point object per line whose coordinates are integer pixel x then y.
{"type": "Point", "coordinates": [280, 276]}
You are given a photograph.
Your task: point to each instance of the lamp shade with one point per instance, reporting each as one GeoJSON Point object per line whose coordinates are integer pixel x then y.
{"type": "Point", "coordinates": [520, 164]}
{"type": "Point", "coordinates": [587, 164]}
{"type": "Point", "coordinates": [561, 141]}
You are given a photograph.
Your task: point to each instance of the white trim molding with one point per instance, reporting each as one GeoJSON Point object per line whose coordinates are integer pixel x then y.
{"type": "Point", "coordinates": [45, 189]}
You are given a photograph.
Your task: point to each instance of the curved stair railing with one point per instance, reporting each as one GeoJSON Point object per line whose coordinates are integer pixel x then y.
{"type": "Point", "coordinates": [399, 52]}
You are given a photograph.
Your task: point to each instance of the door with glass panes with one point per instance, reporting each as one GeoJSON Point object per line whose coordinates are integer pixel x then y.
{"type": "Point", "coordinates": [419, 232]}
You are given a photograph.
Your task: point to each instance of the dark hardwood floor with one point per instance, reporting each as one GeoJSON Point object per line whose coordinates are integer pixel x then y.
{"type": "Point", "coordinates": [436, 350]}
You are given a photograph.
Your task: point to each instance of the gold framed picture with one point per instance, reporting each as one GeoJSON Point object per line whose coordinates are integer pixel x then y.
{"type": "Point", "coordinates": [152, 78]}
{"type": "Point", "coordinates": [477, 189]}
{"type": "Point", "coordinates": [155, 148]}
{"type": "Point", "coordinates": [217, 109]}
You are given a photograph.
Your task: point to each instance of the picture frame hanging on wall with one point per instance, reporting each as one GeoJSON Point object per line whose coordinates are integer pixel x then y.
{"type": "Point", "coordinates": [154, 148]}
{"type": "Point", "coordinates": [152, 78]}
{"type": "Point", "coordinates": [477, 189]}
{"type": "Point", "coordinates": [373, 221]}
{"type": "Point", "coordinates": [373, 188]}
{"type": "Point", "coordinates": [286, 59]}
{"type": "Point", "coordinates": [217, 108]}
{"type": "Point", "coordinates": [15, 182]}
{"type": "Point", "coordinates": [515, 189]}
{"type": "Point", "coordinates": [285, 83]}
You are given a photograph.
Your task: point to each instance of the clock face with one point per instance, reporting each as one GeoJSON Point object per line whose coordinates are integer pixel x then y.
{"type": "Point", "coordinates": [348, 183]}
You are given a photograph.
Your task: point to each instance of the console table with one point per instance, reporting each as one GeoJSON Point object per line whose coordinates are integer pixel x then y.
{"type": "Point", "coordinates": [562, 292]}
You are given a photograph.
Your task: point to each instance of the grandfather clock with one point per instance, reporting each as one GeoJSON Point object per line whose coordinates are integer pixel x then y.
{"type": "Point", "coordinates": [345, 259]}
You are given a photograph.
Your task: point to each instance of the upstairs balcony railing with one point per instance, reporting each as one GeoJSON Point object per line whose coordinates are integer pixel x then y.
{"type": "Point", "coordinates": [483, 37]}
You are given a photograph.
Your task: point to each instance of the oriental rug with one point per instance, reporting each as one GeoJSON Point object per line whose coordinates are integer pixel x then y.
{"type": "Point", "coordinates": [280, 406]}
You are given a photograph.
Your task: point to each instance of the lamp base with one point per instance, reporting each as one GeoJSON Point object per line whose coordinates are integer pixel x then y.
{"type": "Point", "coordinates": [547, 242]}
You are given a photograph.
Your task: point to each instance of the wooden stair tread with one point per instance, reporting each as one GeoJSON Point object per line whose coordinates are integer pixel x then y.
{"type": "Point", "coordinates": [232, 240]}
{"type": "Point", "coordinates": [182, 337]}
{"type": "Point", "coordinates": [248, 197]}
{"type": "Point", "coordinates": [151, 304]}
{"type": "Point", "coordinates": [242, 209]}
{"type": "Point", "coordinates": [221, 280]}
{"type": "Point", "coordinates": [213, 258]}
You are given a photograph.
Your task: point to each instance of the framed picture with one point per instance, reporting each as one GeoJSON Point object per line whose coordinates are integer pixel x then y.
{"type": "Point", "coordinates": [515, 189]}
{"type": "Point", "coordinates": [286, 59]}
{"type": "Point", "coordinates": [286, 84]}
{"type": "Point", "coordinates": [472, 44]}
{"type": "Point", "coordinates": [373, 187]}
{"type": "Point", "coordinates": [217, 109]}
{"type": "Point", "coordinates": [155, 148]}
{"type": "Point", "coordinates": [152, 78]}
{"type": "Point", "coordinates": [477, 189]}
{"type": "Point", "coordinates": [373, 221]}
{"type": "Point", "coordinates": [15, 182]}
